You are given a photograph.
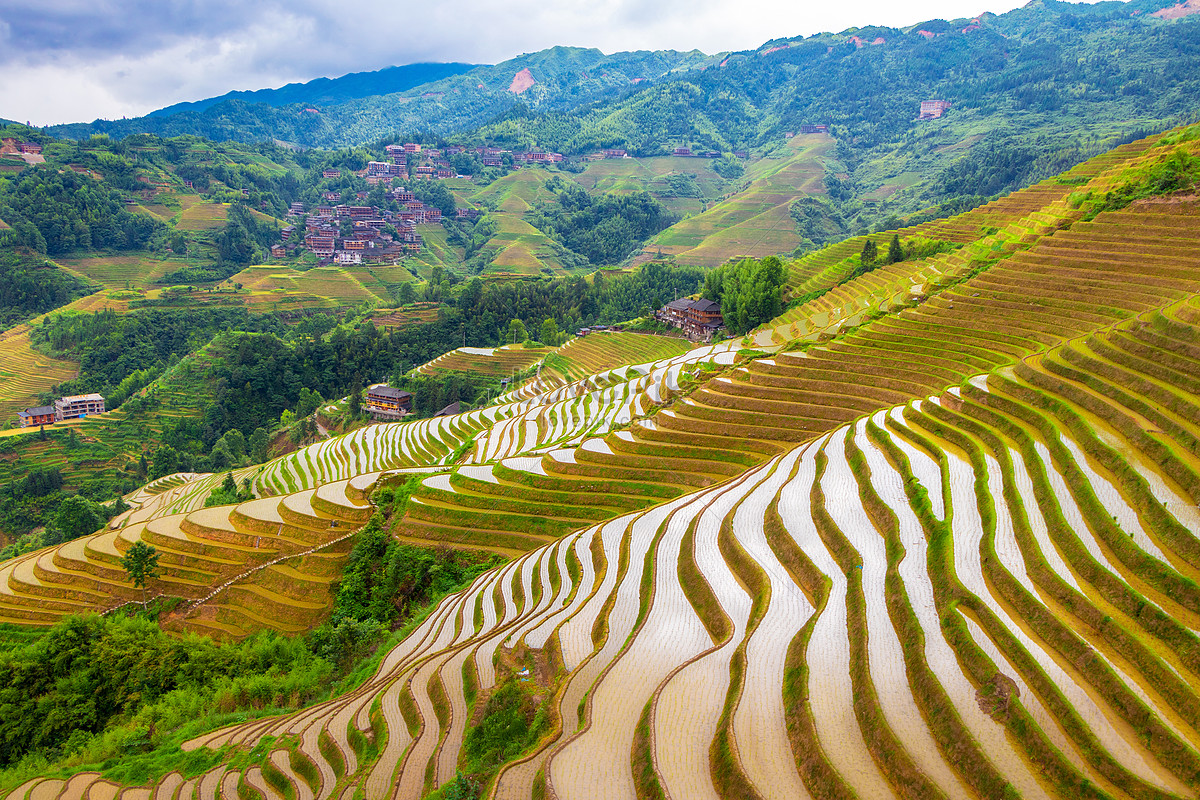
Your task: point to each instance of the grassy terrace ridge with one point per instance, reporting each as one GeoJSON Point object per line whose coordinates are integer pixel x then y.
{"type": "Point", "coordinates": [491, 361]}
{"type": "Point", "coordinates": [930, 542]}
{"type": "Point", "coordinates": [756, 219]}
{"type": "Point", "coordinates": [26, 373]}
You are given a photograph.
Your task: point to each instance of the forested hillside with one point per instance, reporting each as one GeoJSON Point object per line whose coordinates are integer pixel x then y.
{"type": "Point", "coordinates": [1033, 91]}
{"type": "Point", "coordinates": [565, 77]}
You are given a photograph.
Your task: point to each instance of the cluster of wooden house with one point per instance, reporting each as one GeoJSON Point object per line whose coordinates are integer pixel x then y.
{"type": "Point", "coordinates": [700, 320]}
{"type": "Point", "coordinates": [413, 162]}
{"type": "Point", "coordinates": [679, 152]}
{"type": "Point", "coordinates": [324, 234]}
{"type": "Point", "coordinates": [75, 406]}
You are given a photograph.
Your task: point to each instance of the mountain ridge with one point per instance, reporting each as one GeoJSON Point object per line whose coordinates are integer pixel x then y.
{"type": "Point", "coordinates": [325, 90]}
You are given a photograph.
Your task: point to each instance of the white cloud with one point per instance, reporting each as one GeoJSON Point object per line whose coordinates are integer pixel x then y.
{"type": "Point", "coordinates": [77, 60]}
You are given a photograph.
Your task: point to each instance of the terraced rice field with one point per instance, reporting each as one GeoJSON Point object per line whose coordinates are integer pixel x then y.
{"type": "Point", "coordinates": [757, 220]}
{"type": "Point", "coordinates": [324, 286]}
{"type": "Point", "coordinates": [604, 350]}
{"type": "Point", "coordinates": [414, 314]}
{"type": "Point", "coordinates": [947, 551]}
{"type": "Point", "coordinates": [117, 272]}
{"type": "Point", "coordinates": [520, 248]}
{"type": "Point", "coordinates": [266, 563]}
{"type": "Point", "coordinates": [496, 361]}
{"type": "Point", "coordinates": [198, 216]}
{"type": "Point", "coordinates": [518, 191]}
{"type": "Point", "coordinates": [628, 175]}
{"type": "Point", "coordinates": [874, 612]}
{"type": "Point", "coordinates": [25, 373]}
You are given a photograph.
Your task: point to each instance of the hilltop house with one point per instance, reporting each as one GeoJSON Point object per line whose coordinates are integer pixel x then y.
{"type": "Point", "coordinates": [385, 402]}
{"type": "Point", "coordinates": [698, 319]}
{"type": "Point", "coordinates": [321, 246]}
{"type": "Point", "coordinates": [450, 410]}
{"type": "Point", "coordinates": [40, 415]}
{"type": "Point", "coordinates": [78, 406]}
{"type": "Point", "coordinates": [75, 406]}
{"type": "Point", "coordinates": [932, 109]}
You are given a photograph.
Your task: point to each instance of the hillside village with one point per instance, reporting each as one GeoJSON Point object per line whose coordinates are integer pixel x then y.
{"type": "Point", "coordinates": [362, 234]}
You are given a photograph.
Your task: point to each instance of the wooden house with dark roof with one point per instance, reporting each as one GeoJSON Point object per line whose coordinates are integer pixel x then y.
{"type": "Point", "coordinates": [387, 402]}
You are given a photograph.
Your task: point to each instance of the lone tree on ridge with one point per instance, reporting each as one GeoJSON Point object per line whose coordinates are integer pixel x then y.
{"type": "Point", "coordinates": [141, 564]}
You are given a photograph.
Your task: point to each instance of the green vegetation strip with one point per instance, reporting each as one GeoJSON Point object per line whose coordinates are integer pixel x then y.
{"type": "Point", "coordinates": [645, 779]}
{"type": "Point", "coordinates": [727, 772]}
{"type": "Point", "coordinates": [332, 753]}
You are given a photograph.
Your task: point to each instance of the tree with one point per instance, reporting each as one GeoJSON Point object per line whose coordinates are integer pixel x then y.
{"type": "Point", "coordinates": [260, 442]}
{"type": "Point", "coordinates": [895, 253]}
{"type": "Point", "coordinates": [406, 294]}
{"type": "Point", "coordinates": [750, 292]}
{"type": "Point", "coordinates": [309, 402]}
{"type": "Point", "coordinates": [141, 564]}
{"type": "Point", "coordinates": [549, 333]}
{"type": "Point", "coordinates": [235, 442]}
{"type": "Point", "coordinates": [165, 461]}
{"type": "Point", "coordinates": [516, 332]}
{"type": "Point", "coordinates": [870, 252]}
{"type": "Point", "coordinates": [76, 516]}
{"type": "Point", "coordinates": [355, 404]}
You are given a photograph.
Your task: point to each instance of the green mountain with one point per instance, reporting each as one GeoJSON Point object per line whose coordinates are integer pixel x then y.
{"type": "Point", "coordinates": [327, 91]}
{"type": "Point", "coordinates": [563, 78]}
{"type": "Point", "coordinates": [1031, 93]}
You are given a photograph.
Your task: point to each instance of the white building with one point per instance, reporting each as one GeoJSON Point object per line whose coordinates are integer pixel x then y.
{"type": "Point", "coordinates": [78, 405]}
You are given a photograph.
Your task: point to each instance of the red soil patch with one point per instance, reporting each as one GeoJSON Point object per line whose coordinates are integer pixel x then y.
{"type": "Point", "coordinates": [521, 81]}
{"type": "Point", "coordinates": [1178, 10]}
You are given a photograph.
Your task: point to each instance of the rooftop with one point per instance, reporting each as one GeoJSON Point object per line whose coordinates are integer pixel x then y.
{"type": "Point", "coordinates": [388, 391]}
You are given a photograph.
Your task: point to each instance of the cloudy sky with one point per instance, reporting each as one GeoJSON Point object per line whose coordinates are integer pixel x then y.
{"type": "Point", "coordinates": [78, 60]}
